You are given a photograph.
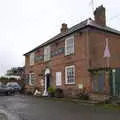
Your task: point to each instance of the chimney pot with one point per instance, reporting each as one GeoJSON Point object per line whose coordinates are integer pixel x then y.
{"type": "Point", "coordinates": [64, 28]}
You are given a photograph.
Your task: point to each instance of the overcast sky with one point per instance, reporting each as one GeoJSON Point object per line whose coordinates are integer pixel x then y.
{"type": "Point", "coordinates": [25, 24]}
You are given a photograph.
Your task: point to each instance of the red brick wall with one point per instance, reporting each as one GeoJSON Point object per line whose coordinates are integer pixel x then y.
{"type": "Point", "coordinates": [97, 46]}
{"type": "Point", "coordinates": [58, 63]}
{"type": "Point", "coordinates": [89, 52]}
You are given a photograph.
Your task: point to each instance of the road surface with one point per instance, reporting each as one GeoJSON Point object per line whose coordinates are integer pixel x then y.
{"type": "Point", "coordinates": [20, 107]}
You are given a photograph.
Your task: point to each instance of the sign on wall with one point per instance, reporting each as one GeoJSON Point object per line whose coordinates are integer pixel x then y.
{"type": "Point", "coordinates": [80, 86]}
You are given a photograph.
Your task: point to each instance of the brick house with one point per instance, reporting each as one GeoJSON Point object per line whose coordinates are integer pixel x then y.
{"type": "Point", "coordinates": [74, 59]}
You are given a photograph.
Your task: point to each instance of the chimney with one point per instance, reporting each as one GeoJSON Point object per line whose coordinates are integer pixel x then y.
{"type": "Point", "coordinates": [100, 16]}
{"type": "Point", "coordinates": [64, 28]}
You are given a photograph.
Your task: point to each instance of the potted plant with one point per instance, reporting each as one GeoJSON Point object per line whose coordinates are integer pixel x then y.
{"type": "Point", "coordinates": [59, 93]}
{"type": "Point", "coordinates": [51, 92]}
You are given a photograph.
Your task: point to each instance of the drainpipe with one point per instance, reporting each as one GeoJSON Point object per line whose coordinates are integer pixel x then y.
{"type": "Point", "coordinates": [87, 47]}
{"type": "Point", "coordinates": [88, 56]}
{"type": "Point", "coordinates": [114, 91]}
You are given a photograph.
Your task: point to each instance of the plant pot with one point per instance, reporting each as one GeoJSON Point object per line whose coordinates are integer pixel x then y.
{"type": "Point", "coordinates": [59, 93]}
{"type": "Point", "coordinates": [50, 94]}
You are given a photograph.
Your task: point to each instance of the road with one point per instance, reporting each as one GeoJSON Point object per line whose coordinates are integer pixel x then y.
{"type": "Point", "coordinates": [20, 107]}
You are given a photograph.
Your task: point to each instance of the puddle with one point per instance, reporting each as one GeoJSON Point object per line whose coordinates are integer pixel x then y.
{"type": "Point", "coordinates": [5, 115]}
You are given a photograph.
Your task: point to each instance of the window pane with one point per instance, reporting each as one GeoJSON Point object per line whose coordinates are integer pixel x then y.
{"type": "Point", "coordinates": [47, 53]}
{"type": "Point", "coordinates": [58, 79]}
{"type": "Point", "coordinates": [32, 56]}
{"type": "Point", "coordinates": [31, 78]}
{"type": "Point", "coordinates": [98, 81]}
{"type": "Point", "coordinates": [70, 74]}
{"type": "Point", "coordinates": [69, 45]}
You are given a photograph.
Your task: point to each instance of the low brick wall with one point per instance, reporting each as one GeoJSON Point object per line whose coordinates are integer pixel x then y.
{"type": "Point", "coordinates": [29, 89]}
{"type": "Point", "coordinates": [99, 97]}
{"type": "Point", "coordinates": [72, 92]}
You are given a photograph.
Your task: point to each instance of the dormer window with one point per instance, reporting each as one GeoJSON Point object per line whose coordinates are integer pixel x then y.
{"type": "Point", "coordinates": [47, 53]}
{"type": "Point", "coordinates": [69, 45]}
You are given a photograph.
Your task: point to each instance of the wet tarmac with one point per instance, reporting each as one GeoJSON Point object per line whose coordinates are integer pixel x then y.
{"type": "Point", "coordinates": [20, 107]}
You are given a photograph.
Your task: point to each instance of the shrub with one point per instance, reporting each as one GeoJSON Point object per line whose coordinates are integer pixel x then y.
{"type": "Point", "coordinates": [51, 92]}
{"type": "Point", "coordinates": [51, 89]}
{"type": "Point", "coordinates": [83, 96]}
{"type": "Point", "coordinates": [29, 93]}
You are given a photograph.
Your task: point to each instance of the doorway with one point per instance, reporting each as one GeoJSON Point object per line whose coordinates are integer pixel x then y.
{"type": "Point", "coordinates": [47, 82]}
{"type": "Point", "coordinates": [115, 82]}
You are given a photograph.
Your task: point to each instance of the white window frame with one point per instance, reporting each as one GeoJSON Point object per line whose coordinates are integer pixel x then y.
{"type": "Point", "coordinates": [32, 58]}
{"type": "Point", "coordinates": [30, 78]}
{"type": "Point", "coordinates": [58, 79]}
{"type": "Point", "coordinates": [66, 74]}
{"type": "Point", "coordinates": [47, 53]}
{"type": "Point", "coordinates": [69, 48]}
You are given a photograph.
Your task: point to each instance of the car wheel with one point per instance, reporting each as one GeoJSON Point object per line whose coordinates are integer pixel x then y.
{"type": "Point", "coordinates": [8, 93]}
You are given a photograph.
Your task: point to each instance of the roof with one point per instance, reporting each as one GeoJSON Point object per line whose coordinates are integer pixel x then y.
{"type": "Point", "coordinates": [12, 76]}
{"type": "Point", "coordinates": [81, 25]}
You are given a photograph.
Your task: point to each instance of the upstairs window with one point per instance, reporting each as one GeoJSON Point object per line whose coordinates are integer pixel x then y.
{"type": "Point", "coordinates": [70, 74]}
{"type": "Point", "coordinates": [69, 45]}
{"type": "Point", "coordinates": [47, 53]}
{"type": "Point", "coordinates": [32, 58]}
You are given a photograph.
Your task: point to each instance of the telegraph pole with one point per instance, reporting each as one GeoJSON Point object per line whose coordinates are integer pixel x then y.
{"type": "Point", "coordinates": [92, 4]}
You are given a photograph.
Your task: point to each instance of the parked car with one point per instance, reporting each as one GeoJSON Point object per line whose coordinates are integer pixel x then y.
{"type": "Point", "coordinates": [4, 90]}
{"type": "Point", "coordinates": [16, 87]}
